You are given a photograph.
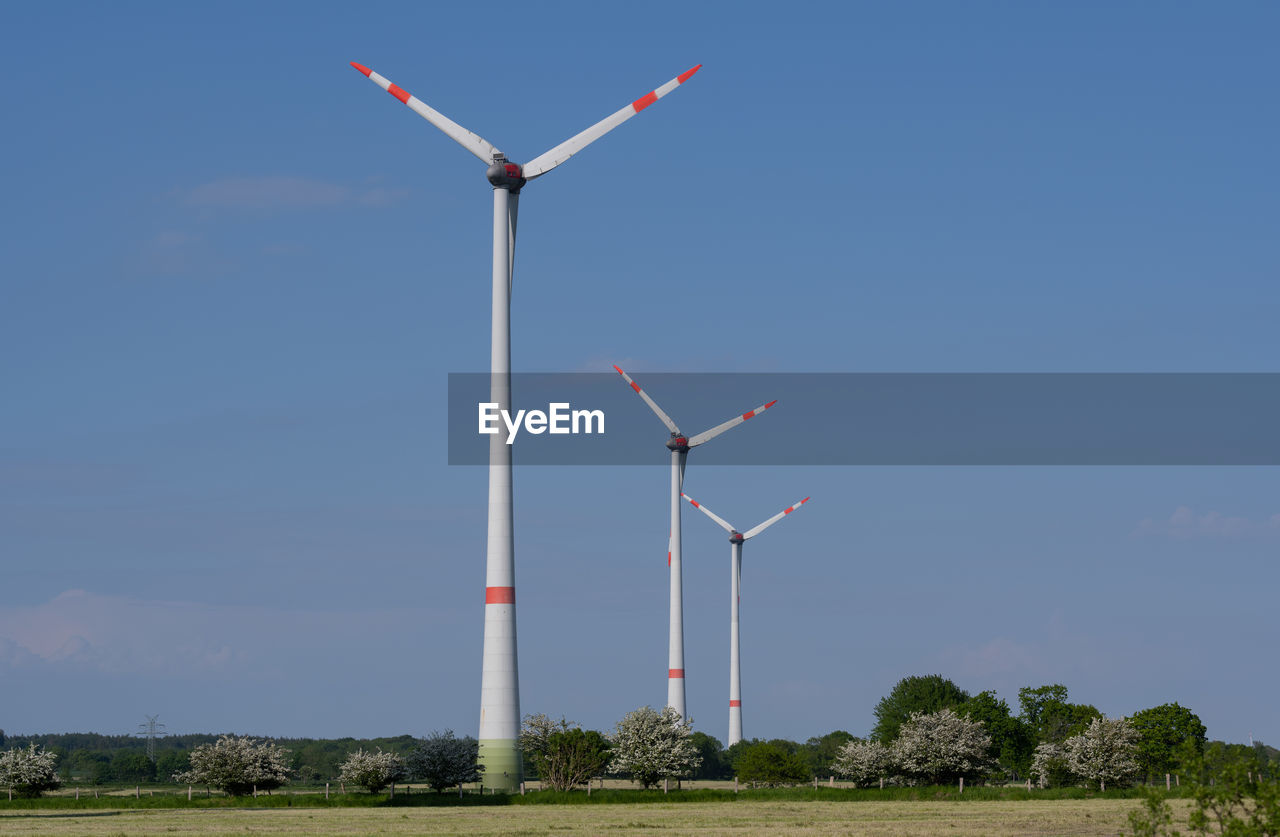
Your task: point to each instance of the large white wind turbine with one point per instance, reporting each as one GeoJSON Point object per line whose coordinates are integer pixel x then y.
{"type": "Point", "coordinates": [679, 446]}
{"type": "Point", "coordinates": [736, 540]}
{"type": "Point", "coordinates": [499, 686]}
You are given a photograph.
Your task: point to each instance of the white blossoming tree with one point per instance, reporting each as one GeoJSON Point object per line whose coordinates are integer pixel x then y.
{"type": "Point", "coordinates": [652, 745]}
{"type": "Point", "coordinates": [864, 762]}
{"type": "Point", "coordinates": [237, 765]}
{"type": "Point", "coordinates": [941, 747]}
{"type": "Point", "coordinates": [371, 771]}
{"type": "Point", "coordinates": [1049, 766]}
{"type": "Point", "coordinates": [29, 772]}
{"type": "Point", "coordinates": [1105, 752]}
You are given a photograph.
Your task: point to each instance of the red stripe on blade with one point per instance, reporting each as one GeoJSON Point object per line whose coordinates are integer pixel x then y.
{"type": "Point", "coordinates": [634, 385]}
{"type": "Point", "coordinates": [673, 673]}
{"type": "Point", "coordinates": [770, 404]}
{"type": "Point", "coordinates": [402, 95]}
{"type": "Point", "coordinates": [735, 703]}
{"type": "Point", "coordinates": [748, 414]}
{"type": "Point", "coordinates": [499, 595]}
{"type": "Point", "coordinates": [644, 101]}
{"type": "Point", "coordinates": [688, 74]}
{"type": "Point", "coordinates": [362, 68]}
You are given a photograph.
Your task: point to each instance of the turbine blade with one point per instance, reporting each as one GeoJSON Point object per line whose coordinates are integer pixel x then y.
{"type": "Point", "coordinates": [709, 513]}
{"type": "Point", "coordinates": [544, 163]}
{"type": "Point", "coordinates": [708, 435]}
{"type": "Point", "coordinates": [474, 143]}
{"type": "Point", "coordinates": [751, 533]}
{"type": "Point", "coordinates": [666, 419]}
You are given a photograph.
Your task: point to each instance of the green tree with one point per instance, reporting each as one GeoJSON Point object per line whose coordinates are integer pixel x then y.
{"type": "Point", "coordinates": [1162, 732]}
{"type": "Point", "coordinates": [1012, 740]}
{"type": "Point", "coordinates": [715, 764]}
{"type": "Point", "coordinates": [919, 694]}
{"type": "Point", "coordinates": [443, 761]}
{"type": "Point", "coordinates": [170, 762]}
{"type": "Point", "coordinates": [133, 767]}
{"type": "Point", "coordinates": [1051, 718]}
{"type": "Point", "coordinates": [821, 752]}
{"type": "Point", "coordinates": [563, 755]}
{"type": "Point", "coordinates": [771, 763]}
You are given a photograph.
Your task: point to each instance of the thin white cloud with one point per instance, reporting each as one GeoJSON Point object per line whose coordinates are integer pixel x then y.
{"type": "Point", "coordinates": [279, 192]}
{"type": "Point", "coordinates": [1185, 524]}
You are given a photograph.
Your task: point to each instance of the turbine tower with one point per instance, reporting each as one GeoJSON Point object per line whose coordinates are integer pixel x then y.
{"type": "Point", "coordinates": [499, 685]}
{"type": "Point", "coordinates": [735, 587]}
{"type": "Point", "coordinates": [679, 446]}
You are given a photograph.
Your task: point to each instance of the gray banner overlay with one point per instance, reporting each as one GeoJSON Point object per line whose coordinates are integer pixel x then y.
{"type": "Point", "coordinates": [893, 419]}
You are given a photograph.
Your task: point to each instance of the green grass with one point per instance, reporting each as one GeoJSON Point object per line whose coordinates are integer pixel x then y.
{"type": "Point", "coordinates": [172, 799]}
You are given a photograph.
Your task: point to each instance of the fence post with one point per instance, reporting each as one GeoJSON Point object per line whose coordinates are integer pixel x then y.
{"type": "Point", "coordinates": [393, 790]}
{"type": "Point", "coordinates": [735, 784]}
{"type": "Point", "coordinates": [1177, 780]}
{"type": "Point", "coordinates": [815, 782]}
{"type": "Point", "coordinates": [189, 793]}
{"type": "Point", "coordinates": [831, 781]}
{"type": "Point", "coordinates": [326, 790]}
{"type": "Point", "coordinates": [255, 791]}
{"type": "Point", "coordinates": [588, 787]}
{"type": "Point", "coordinates": [77, 794]}
{"type": "Point", "coordinates": [962, 784]}
{"type": "Point", "coordinates": [1028, 784]}
{"type": "Point", "coordinates": [1166, 781]}
{"type": "Point", "coordinates": [881, 783]}
{"type": "Point", "coordinates": [137, 791]}
{"type": "Point", "coordinates": [522, 788]}
{"type": "Point", "coordinates": [666, 785]}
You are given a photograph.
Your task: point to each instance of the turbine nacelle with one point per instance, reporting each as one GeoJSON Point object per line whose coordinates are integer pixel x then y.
{"type": "Point", "coordinates": [678, 443]}
{"type": "Point", "coordinates": [505, 175]}
{"type": "Point", "coordinates": [736, 537]}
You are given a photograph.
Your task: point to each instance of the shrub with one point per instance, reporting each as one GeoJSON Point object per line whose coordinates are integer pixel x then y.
{"type": "Point", "coordinates": [941, 747]}
{"type": "Point", "coordinates": [651, 745]}
{"type": "Point", "coordinates": [864, 762]}
{"type": "Point", "coordinates": [238, 766]}
{"type": "Point", "coordinates": [443, 761]}
{"type": "Point", "coordinates": [771, 764]}
{"type": "Point", "coordinates": [371, 771]}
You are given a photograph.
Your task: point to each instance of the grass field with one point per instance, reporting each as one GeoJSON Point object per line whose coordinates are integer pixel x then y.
{"type": "Point", "coordinates": [1100, 817]}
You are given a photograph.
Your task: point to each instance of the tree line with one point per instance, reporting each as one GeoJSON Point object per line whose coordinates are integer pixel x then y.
{"type": "Point", "coordinates": [927, 730]}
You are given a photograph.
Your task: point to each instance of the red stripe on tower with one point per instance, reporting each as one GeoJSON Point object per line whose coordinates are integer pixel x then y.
{"type": "Point", "coordinates": [399, 93]}
{"type": "Point", "coordinates": [673, 673]}
{"type": "Point", "coordinates": [688, 74]}
{"type": "Point", "coordinates": [499, 595]}
{"type": "Point", "coordinates": [644, 101]}
{"type": "Point", "coordinates": [735, 703]}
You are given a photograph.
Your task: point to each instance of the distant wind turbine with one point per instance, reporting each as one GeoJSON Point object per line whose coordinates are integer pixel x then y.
{"type": "Point", "coordinates": [735, 587]}
{"type": "Point", "coordinates": [679, 446]}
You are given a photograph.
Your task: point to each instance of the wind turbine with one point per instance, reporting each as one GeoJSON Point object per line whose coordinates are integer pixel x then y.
{"type": "Point", "coordinates": [499, 685]}
{"type": "Point", "coordinates": [736, 540]}
{"type": "Point", "coordinates": [679, 446]}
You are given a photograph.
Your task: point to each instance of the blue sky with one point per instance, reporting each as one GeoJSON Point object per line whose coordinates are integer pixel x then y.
{"type": "Point", "coordinates": [236, 275]}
